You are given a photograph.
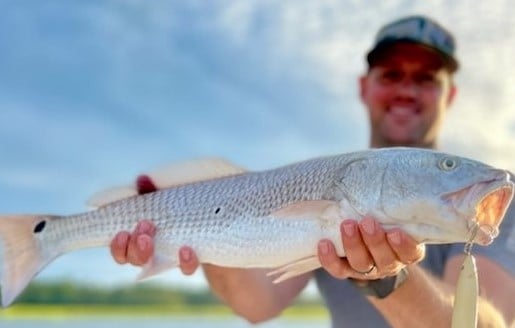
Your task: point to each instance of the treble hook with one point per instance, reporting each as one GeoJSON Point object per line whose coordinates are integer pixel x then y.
{"type": "Point", "coordinates": [468, 246]}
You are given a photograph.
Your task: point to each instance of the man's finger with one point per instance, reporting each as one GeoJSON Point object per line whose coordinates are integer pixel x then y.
{"type": "Point", "coordinates": [119, 246]}
{"type": "Point", "coordinates": [141, 244]}
{"type": "Point", "coordinates": [188, 260]}
{"type": "Point", "coordinates": [140, 250]}
{"type": "Point", "coordinates": [356, 251]}
{"type": "Point", "coordinates": [145, 227]}
{"type": "Point", "coordinates": [331, 262]}
{"type": "Point", "coordinates": [384, 257]}
{"type": "Point", "coordinates": [407, 249]}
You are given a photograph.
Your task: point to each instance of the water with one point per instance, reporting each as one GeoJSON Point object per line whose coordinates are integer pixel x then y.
{"type": "Point", "coordinates": [158, 322]}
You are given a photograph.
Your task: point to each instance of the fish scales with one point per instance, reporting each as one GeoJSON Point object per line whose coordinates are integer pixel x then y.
{"type": "Point", "coordinates": [188, 214]}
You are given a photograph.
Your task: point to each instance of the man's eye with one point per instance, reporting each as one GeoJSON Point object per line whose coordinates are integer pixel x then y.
{"type": "Point", "coordinates": [391, 76]}
{"type": "Point", "coordinates": [426, 79]}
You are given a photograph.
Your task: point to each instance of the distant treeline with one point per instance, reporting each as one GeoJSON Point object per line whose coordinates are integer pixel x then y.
{"type": "Point", "coordinates": [136, 294]}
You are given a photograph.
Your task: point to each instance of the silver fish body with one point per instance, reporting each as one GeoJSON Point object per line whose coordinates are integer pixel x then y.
{"type": "Point", "coordinates": [275, 218]}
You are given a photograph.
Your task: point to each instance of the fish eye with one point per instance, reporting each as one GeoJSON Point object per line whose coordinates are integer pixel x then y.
{"type": "Point", "coordinates": [448, 164]}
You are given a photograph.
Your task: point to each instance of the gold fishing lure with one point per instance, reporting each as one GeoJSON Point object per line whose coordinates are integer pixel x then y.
{"type": "Point", "coordinates": [467, 290]}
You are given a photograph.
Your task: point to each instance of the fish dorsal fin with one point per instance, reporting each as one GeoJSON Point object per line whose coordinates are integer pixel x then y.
{"type": "Point", "coordinates": [110, 195]}
{"type": "Point", "coordinates": [170, 176]}
{"type": "Point", "coordinates": [193, 171]}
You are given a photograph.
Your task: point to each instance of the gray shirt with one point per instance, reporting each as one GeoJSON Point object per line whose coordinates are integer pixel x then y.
{"type": "Point", "coordinates": [349, 308]}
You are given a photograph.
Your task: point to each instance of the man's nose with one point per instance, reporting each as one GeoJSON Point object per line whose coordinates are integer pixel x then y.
{"type": "Point", "coordinates": [407, 88]}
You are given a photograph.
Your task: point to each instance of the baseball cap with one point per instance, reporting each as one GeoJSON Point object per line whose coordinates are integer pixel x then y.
{"type": "Point", "coordinates": [420, 30]}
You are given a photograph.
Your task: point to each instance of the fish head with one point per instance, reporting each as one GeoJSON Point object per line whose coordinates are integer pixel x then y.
{"type": "Point", "coordinates": [483, 205]}
{"type": "Point", "coordinates": [433, 196]}
{"type": "Point", "coordinates": [444, 198]}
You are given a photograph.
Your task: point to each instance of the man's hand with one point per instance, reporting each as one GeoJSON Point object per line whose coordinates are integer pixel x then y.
{"type": "Point", "coordinates": [137, 247]}
{"type": "Point", "coordinates": [371, 252]}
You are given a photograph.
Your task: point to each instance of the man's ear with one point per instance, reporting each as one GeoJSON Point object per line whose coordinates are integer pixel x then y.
{"type": "Point", "coordinates": [453, 90]}
{"type": "Point", "coordinates": [363, 86]}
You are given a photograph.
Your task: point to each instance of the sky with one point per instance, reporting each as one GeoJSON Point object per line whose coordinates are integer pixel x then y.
{"type": "Point", "coordinates": [92, 93]}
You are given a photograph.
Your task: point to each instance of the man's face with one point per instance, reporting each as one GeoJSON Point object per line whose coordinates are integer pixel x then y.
{"type": "Point", "coordinates": [407, 94]}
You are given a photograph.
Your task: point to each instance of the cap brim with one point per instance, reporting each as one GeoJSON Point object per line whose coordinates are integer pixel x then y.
{"type": "Point", "coordinates": [379, 51]}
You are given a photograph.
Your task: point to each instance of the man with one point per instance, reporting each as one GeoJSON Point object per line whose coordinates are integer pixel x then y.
{"type": "Point", "coordinates": [407, 90]}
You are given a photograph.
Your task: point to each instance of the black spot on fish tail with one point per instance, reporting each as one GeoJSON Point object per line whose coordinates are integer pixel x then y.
{"type": "Point", "coordinates": [40, 226]}
{"type": "Point", "coordinates": [217, 210]}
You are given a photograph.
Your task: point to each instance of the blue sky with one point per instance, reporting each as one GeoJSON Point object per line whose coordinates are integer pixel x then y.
{"type": "Point", "coordinates": [94, 92]}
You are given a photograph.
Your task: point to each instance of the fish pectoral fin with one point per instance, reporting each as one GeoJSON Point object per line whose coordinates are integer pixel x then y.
{"type": "Point", "coordinates": [295, 268]}
{"type": "Point", "coordinates": [155, 266]}
{"type": "Point", "coordinates": [170, 176]}
{"type": "Point", "coordinates": [310, 209]}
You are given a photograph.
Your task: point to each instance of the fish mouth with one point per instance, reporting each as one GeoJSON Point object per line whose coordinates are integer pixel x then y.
{"type": "Point", "coordinates": [486, 204]}
{"type": "Point", "coordinates": [490, 211]}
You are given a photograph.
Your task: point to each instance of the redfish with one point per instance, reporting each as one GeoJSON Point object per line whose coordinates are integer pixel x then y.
{"type": "Point", "coordinates": [274, 218]}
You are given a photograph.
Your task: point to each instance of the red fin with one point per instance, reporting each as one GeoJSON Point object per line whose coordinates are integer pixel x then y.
{"type": "Point", "coordinates": [145, 185]}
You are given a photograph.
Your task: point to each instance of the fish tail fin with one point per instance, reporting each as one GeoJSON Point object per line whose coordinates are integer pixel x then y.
{"type": "Point", "coordinates": [23, 254]}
